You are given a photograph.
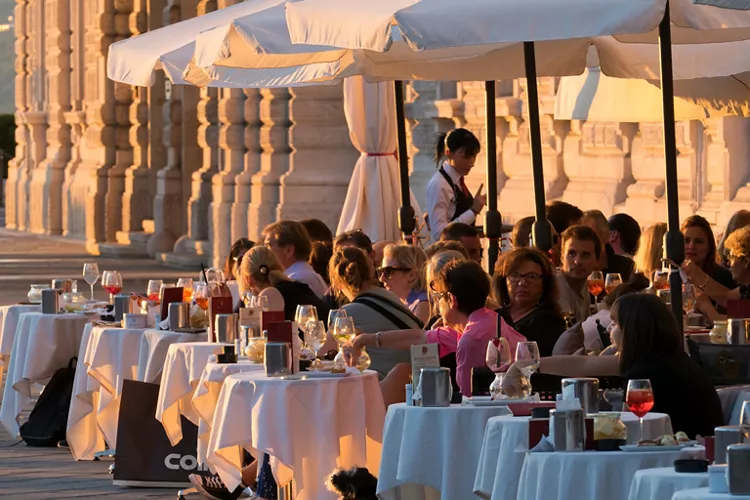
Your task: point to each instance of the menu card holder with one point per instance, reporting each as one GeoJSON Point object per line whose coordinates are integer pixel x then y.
{"type": "Point", "coordinates": [217, 305]}
{"type": "Point", "coordinates": [423, 356]}
{"type": "Point", "coordinates": [537, 429]}
{"type": "Point", "coordinates": [250, 316]}
{"type": "Point", "coordinates": [590, 444]}
{"type": "Point", "coordinates": [267, 317]}
{"type": "Point", "coordinates": [738, 309]}
{"type": "Point", "coordinates": [169, 295]}
{"type": "Point", "coordinates": [279, 331]}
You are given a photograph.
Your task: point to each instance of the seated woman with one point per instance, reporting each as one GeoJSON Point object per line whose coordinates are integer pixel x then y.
{"type": "Point", "coordinates": [739, 219]}
{"type": "Point", "coordinates": [460, 291]}
{"type": "Point", "coordinates": [373, 308]}
{"type": "Point", "coordinates": [234, 259]}
{"type": "Point", "coordinates": [738, 251]}
{"type": "Point", "coordinates": [650, 346]}
{"type": "Point", "coordinates": [649, 254]}
{"type": "Point", "coordinates": [402, 272]}
{"type": "Point", "coordinates": [261, 273]}
{"type": "Point", "coordinates": [526, 288]}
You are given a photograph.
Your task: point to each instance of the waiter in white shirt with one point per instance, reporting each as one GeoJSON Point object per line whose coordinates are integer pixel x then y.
{"type": "Point", "coordinates": [448, 198]}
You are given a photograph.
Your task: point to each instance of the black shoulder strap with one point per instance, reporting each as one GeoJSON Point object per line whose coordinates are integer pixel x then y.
{"type": "Point", "coordinates": [371, 300]}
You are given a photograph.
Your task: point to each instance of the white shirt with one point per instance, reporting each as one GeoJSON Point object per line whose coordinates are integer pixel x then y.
{"type": "Point", "coordinates": [575, 302]}
{"type": "Point", "coordinates": [441, 202]}
{"type": "Point", "coordinates": [302, 272]}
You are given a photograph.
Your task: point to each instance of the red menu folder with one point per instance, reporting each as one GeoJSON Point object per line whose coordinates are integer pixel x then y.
{"type": "Point", "coordinates": [169, 295]}
{"type": "Point", "coordinates": [279, 331]}
{"type": "Point", "coordinates": [270, 317]}
{"type": "Point", "coordinates": [217, 305]}
{"type": "Point", "coordinates": [738, 309]}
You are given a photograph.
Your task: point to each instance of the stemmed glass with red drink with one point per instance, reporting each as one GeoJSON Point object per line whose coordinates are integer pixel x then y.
{"type": "Point", "coordinates": [112, 283]}
{"type": "Point", "coordinates": [640, 399]}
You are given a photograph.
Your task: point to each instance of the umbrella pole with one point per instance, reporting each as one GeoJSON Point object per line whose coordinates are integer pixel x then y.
{"type": "Point", "coordinates": [406, 213]}
{"type": "Point", "coordinates": [674, 242]}
{"type": "Point", "coordinates": [493, 225]}
{"type": "Point", "coordinates": [541, 230]}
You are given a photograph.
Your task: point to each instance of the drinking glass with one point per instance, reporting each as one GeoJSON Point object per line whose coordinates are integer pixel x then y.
{"type": "Point", "coordinates": [91, 275]}
{"type": "Point", "coordinates": [527, 357]}
{"type": "Point", "coordinates": [201, 295]}
{"type": "Point", "coordinates": [187, 289]}
{"type": "Point", "coordinates": [640, 399]}
{"type": "Point", "coordinates": [612, 281]}
{"type": "Point", "coordinates": [596, 284]}
{"type": "Point", "coordinates": [261, 302]}
{"type": "Point", "coordinates": [497, 358]}
{"type": "Point", "coordinates": [153, 290]}
{"type": "Point", "coordinates": [332, 315]}
{"type": "Point", "coordinates": [688, 297]}
{"type": "Point", "coordinates": [661, 280]}
{"type": "Point", "coordinates": [745, 419]}
{"type": "Point", "coordinates": [112, 283]}
{"type": "Point", "coordinates": [315, 337]}
{"type": "Point", "coordinates": [214, 275]}
{"type": "Point", "coordinates": [343, 330]}
{"type": "Point", "coordinates": [306, 317]}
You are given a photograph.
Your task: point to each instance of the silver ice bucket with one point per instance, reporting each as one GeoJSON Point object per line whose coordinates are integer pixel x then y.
{"type": "Point", "coordinates": [724, 437]}
{"type": "Point", "coordinates": [278, 359]}
{"type": "Point", "coordinates": [568, 429]}
{"type": "Point", "coordinates": [737, 331]}
{"type": "Point", "coordinates": [123, 306]}
{"type": "Point", "coordinates": [225, 328]}
{"type": "Point", "coordinates": [435, 387]}
{"type": "Point", "coordinates": [50, 301]}
{"type": "Point", "coordinates": [738, 465]}
{"type": "Point", "coordinates": [179, 315]}
{"type": "Point", "coordinates": [586, 390]}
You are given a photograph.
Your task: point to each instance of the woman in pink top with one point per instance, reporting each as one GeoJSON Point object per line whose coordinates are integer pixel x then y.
{"type": "Point", "coordinates": [460, 291]}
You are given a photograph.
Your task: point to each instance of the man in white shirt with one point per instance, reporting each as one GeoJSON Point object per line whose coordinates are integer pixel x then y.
{"type": "Point", "coordinates": [291, 244]}
{"type": "Point", "coordinates": [581, 248]}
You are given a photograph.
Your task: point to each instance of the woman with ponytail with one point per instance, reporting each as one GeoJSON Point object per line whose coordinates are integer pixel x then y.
{"type": "Point", "coordinates": [448, 198]}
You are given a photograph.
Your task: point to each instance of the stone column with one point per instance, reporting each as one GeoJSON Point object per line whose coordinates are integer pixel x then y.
{"type": "Point", "coordinates": [322, 158]}
{"type": "Point", "coordinates": [646, 201]}
{"type": "Point", "coordinates": [137, 198]}
{"type": "Point", "coordinates": [232, 142]}
{"type": "Point", "coordinates": [48, 177]}
{"type": "Point", "coordinates": [73, 207]}
{"type": "Point", "coordinates": [98, 146]}
{"type": "Point", "coordinates": [274, 159]}
{"type": "Point", "coordinates": [597, 164]}
{"type": "Point", "coordinates": [124, 98]}
{"type": "Point", "coordinates": [243, 182]}
{"type": "Point", "coordinates": [19, 164]}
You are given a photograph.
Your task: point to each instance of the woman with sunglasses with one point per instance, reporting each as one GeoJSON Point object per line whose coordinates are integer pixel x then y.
{"type": "Point", "coordinates": [402, 272]}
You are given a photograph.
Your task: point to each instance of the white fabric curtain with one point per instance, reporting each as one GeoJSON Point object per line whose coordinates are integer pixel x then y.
{"type": "Point", "coordinates": [373, 198]}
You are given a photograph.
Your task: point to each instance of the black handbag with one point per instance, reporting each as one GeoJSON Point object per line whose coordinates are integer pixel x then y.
{"type": "Point", "coordinates": [724, 364]}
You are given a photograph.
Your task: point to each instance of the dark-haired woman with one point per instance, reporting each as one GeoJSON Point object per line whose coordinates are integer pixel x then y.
{"type": "Point", "coordinates": [650, 346]}
{"type": "Point", "coordinates": [700, 249]}
{"type": "Point", "coordinates": [525, 287]}
{"type": "Point", "coordinates": [448, 198]}
{"type": "Point", "coordinates": [234, 259]}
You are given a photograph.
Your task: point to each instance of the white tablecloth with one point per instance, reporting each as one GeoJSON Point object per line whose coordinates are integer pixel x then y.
{"type": "Point", "coordinates": [658, 484]}
{"type": "Point", "coordinates": [703, 494]}
{"type": "Point", "coordinates": [586, 476]}
{"type": "Point", "coordinates": [206, 396]}
{"type": "Point", "coordinates": [9, 316]}
{"type": "Point", "coordinates": [43, 344]}
{"type": "Point", "coordinates": [308, 427]}
{"type": "Point", "coordinates": [154, 347]}
{"type": "Point", "coordinates": [500, 460]}
{"type": "Point", "coordinates": [183, 368]}
{"type": "Point", "coordinates": [432, 452]}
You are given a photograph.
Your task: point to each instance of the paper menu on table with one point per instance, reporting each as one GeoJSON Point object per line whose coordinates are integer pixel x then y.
{"type": "Point", "coordinates": [423, 356]}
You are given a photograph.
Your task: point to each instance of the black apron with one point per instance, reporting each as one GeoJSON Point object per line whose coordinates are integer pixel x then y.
{"type": "Point", "coordinates": [464, 201]}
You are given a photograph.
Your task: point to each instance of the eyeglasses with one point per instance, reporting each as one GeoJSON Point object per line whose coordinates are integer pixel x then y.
{"type": "Point", "coordinates": [529, 277]}
{"type": "Point", "coordinates": [387, 271]}
{"type": "Point", "coordinates": [435, 295]}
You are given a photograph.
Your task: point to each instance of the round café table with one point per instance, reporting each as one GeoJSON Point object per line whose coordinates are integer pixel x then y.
{"type": "Point", "coordinates": [703, 494]}
{"type": "Point", "coordinates": [8, 322]}
{"type": "Point", "coordinates": [43, 343]}
{"type": "Point", "coordinates": [307, 427]}
{"type": "Point", "coordinates": [656, 484]}
{"type": "Point", "coordinates": [506, 440]}
{"type": "Point", "coordinates": [432, 453]}
{"type": "Point", "coordinates": [589, 475]}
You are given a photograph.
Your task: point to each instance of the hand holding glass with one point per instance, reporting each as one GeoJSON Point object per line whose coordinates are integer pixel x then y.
{"type": "Point", "coordinates": [343, 330]}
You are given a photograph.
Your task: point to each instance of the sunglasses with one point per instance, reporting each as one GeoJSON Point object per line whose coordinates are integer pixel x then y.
{"type": "Point", "coordinates": [387, 271]}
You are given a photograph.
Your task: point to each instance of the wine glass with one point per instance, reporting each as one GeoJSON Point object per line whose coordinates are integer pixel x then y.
{"type": "Point", "coordinates": [688, 297]}
{"type": "Point", "coordinates": [612, 281]}
{"type": "Point", "coordinates": [745, 419]}
{"type": "Point", "coordinates": [112, 283]}
{"type": "Point", "coordinates": [333, 314]}
{"type": "Point", "coordinates": [527, 357]}
{"type": "Point", "coordinates": [201, 295]}
{"type": "Point", "coordinates": [261, 302]}
{"type": "Point", "coordinates": [214, 275]}
{"type": "Point", "coordinates": [596, 284]}
{"type": "Point", "coordinates": [306, 317]}
{"type": "Point", "coordinates": [153, 290]}
{"type": "Point", "coordinates": [315, 337]}
{"type": "Point", "coordinates": [497, 358]}
{"type": "Point", "coordinates": [187, 289]}
{"type": "Point", "coordinates": [343, 330]}
{"type": "Point", "coordinates": [91, 275]}
{"type": "Point", "coordinates": [640, 399]}
{"type": "Point", "coordinates": [661, 280]}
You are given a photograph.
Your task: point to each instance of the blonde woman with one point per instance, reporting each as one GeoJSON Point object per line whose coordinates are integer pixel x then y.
{"type": "Point", "coordinates": [648, 257]}
{"type": "Point", "coordinates": [262, 274]}
{"type": "Point", "coordinates": [402, 272]}
{"type": "Point", "coordinates": [740, 219]}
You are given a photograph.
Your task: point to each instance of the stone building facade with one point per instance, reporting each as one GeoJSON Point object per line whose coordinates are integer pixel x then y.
{"type": "Point", "coordinates": [178, 172]}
